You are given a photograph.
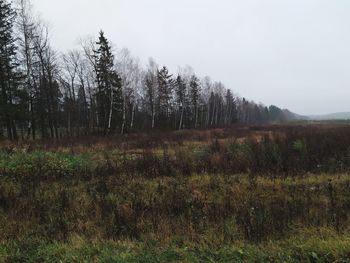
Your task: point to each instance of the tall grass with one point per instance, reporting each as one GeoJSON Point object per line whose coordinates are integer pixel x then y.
{"type": "Point", "coordinates": [209, 189]}
{"type": "Point", "coordinates": [224, 208]}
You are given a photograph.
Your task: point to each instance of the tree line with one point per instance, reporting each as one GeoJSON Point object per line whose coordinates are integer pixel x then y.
{"type": "Point", "coordinates": [96, 90]}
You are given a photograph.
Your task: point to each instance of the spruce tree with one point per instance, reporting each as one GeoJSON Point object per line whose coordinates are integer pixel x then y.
{"type": "Point", "coordinates": [165, 94]}
{"type": "Point", "coordinates": [230, 109]}
{"type": "Point", "coordinates": [109, 88]}
{"type": "Point", "coordinates": [195, 94]}
{"type": "Point", "coordinates": [180, 89]}
{"type": "Point", "coordinates": [9, 91]}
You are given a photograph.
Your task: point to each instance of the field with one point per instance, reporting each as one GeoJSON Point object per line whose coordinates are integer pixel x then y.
{"type": "Point", "coordinates": [242, 194]}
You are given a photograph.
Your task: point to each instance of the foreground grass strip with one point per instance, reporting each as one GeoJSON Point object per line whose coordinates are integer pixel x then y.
{"type": "Point", "coordinates": [323, 245]}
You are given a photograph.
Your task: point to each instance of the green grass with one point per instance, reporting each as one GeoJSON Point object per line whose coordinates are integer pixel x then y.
{"type": "Point", "coordinates": [322, 245]}
{"type": "Point", "coordinates": [43, 164]}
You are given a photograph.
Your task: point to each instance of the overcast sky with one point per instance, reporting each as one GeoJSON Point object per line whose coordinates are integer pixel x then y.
{"type": "Point", "coordinates": [292, 53]}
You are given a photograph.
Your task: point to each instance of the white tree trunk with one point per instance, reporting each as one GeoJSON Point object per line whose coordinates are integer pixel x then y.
{"type": "Point", "coordinates": [132, 116]}
{"type": "Point", "coordinates": [124, 115]}
{"type": "Point", "coordinates": [181, 118]}
{"type": "Point", "coordinates": [196, 118]}
{"type": "Point", "coordinates": [110, 112]}
{"type": "Point", "coordinates": [153, 116]}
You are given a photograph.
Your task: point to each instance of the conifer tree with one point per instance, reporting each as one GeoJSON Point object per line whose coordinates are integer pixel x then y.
{"type": "Point", "coordinates": [9, 92]}
{"type": "Point", "coordinates": [181, 93]}
{"type": "Point", "coordinates": [230, 109]}
{"type": "Point", "coordinates": [195, 94]}
{"type": "Point", "coordinates": [165, 90]}
{"type": "Point", "coordinates": [109, 93]}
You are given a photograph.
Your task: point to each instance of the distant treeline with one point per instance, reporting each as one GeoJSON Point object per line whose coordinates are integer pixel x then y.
{"type": "Point", "coordinates": [44, 94]}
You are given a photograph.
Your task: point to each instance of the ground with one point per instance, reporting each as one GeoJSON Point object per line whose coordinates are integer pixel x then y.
{"type": "Point", "coordinates": [241, 194]}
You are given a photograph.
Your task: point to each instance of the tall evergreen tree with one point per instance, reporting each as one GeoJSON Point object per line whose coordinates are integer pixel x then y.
{"type": "Point", "coordinates": [195, 95]}
{"type": "Point", "coordinates": [230, 109]}
{"type": "Point", "coordinates": [181, 98]}
{"type": "Point", "coordinates": [9, 88]}
{"type": "Point", "coordinates": [165, 94]}
{"type": "Point", "coordinates": [109, 88]}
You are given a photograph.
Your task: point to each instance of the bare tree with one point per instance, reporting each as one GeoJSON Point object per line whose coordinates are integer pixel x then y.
{"type": "Point", "coordinates": [130, 71]}
{"type": "Point", "coordinates": [26, 29]}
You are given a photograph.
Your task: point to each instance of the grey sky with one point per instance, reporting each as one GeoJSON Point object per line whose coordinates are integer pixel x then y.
{"type": "Point", "coordinates": [292, 53]}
